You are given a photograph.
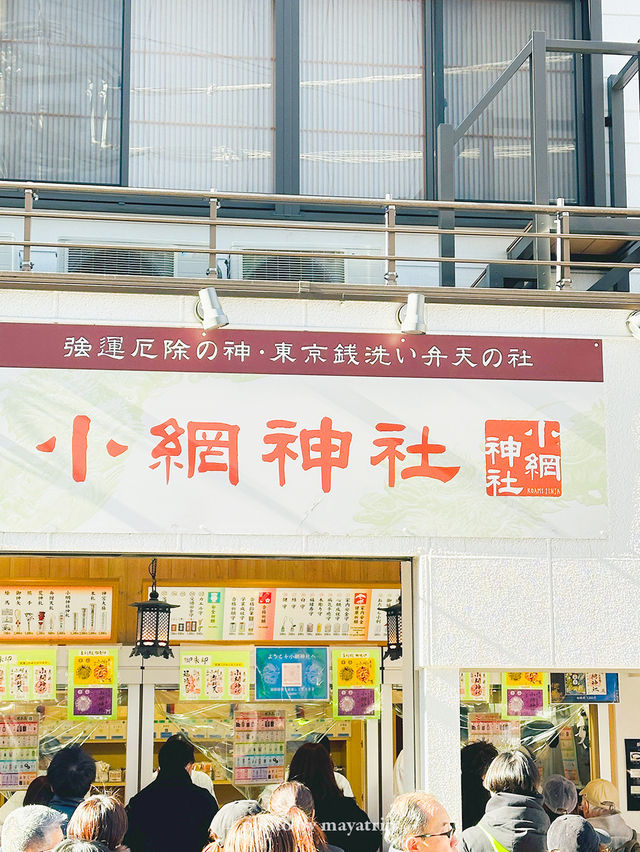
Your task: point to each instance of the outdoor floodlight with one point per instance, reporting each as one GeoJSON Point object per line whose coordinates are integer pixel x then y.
{"type": "Point", "coordinates": [633, 323]}
{"type": "Point", "coordinates": [413, 320]}
{"type": "Point", "coordinates": [209, 310]}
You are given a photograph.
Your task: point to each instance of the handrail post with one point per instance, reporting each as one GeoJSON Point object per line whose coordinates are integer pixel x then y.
{"type": "Point", "coordinates": [27, 263]}
{"type": "Point", "coordinates": [563, 249]}
{"type": "Point", "coordinates": [617, 154]}
{"type": "Point", "coordinates": [540, 154]}
{"type": "Point", "coordinates": [212, 269]}
{"type": "Point", "coordinates": [445, 142]}
{"type": "Point", "coordinates": [390, 276]}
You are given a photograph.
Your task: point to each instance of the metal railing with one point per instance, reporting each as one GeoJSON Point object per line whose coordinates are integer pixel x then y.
{"type": "Point", "coordinates": [393, 285]}
{"type": "Point", "coordinates": [535, 53]}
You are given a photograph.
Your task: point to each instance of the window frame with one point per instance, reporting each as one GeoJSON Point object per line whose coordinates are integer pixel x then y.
{"type": "Point", "coordinates": [590, 184]}
{"type": "Point", "coordinates": [592, 188]}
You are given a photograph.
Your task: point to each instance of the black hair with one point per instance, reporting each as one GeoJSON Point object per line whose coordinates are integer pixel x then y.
{"type": "Point", "coordinates": [325, 742]}
{"type": "Point", "coordinates": [475, 758]}
{"type": "Point", "coordinates": [513, 772]}
{"type": "Point", "coordinates": [176, 753]}
{"type": "Point", "coordinates": [71, 772]}
{"type": "Point", "coordinates": [313, 767]}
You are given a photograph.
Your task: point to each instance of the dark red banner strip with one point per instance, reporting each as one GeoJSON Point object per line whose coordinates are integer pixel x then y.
{"type": "Point", "coordinates": [308, 353]}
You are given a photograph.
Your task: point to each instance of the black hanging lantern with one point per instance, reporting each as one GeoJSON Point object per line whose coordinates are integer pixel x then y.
{"type": "Point", "coordinates": [152, 628]}
{"type": "Point", "coordinates": [394, 630]}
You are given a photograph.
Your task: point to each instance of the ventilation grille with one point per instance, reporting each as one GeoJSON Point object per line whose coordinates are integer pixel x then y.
{"type": "Point", "coordinates": [274, 268]}
{"type": "Point", "coordinates": [120, 262]}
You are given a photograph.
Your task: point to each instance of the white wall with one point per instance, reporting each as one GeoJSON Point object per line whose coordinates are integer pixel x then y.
{"type": "Point", "coordinates": [621, 22]}
{"type": "Point", "coordinates": [627, 725]}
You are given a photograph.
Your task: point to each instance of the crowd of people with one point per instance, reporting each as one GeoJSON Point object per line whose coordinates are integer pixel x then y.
{"type": "Point", "coordinates": [504, 810]}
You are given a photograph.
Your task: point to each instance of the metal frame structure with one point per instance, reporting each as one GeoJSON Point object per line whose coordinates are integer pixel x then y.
{"type": "Point", "coordinates": [534, 52]}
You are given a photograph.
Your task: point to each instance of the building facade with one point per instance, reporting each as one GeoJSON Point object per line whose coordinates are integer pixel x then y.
{"type": "Point", "coordinates": [150, 151]}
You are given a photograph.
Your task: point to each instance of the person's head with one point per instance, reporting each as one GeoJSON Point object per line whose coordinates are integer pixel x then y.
{"type": "Point", "coordinates": [39, 792]}
{"type": "Point", "coordinates": [33, 828]}
{"type": "Point", "coordinates": [228, 816]}
{"type": "Point", "coordinates": [101, 818]}
{"type": "Point", "coordinates": [475, 758]}
{"type": "Point", "coordinates": [559, 795]}
{"type": "Point", "coordinates": [260, 833]}
{"type": "Point", "coordinates": [72, 844]}
{"type": "Point", "coordinates": [177, 753]}
{"type": "Point", "coordinates": [325, 742]}
{"type": "Point", "coordinates": [513, 772]}
{"type": "Point", "coordinates": [312, 766]}
{"type": "Point", "coordinates": [294, 802]}
{"type": "Point", "coordinates": [417, 822]}
{"type": "Point", "coordinates": [47, 748]}
{"type": "Point", "coordinates": [571, 833]}
{"type": "Point", "coordinates": [71, 772]}
{"type": "Point", "coordinates": [599, 798]}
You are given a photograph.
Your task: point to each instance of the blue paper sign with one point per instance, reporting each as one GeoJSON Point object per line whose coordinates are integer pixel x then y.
{"type": "Point", "coordinates": [292, 674]}
{"type": "Point", "coordinates": [584, 688]}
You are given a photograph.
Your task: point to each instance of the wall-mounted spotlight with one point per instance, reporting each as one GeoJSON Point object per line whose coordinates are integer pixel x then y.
{"type": "Point", "coordinates": [209, 310]}
{"type": "Point", "coordinates": [633, 323]}
{"type": "Point", "coordinates": [411, 315]}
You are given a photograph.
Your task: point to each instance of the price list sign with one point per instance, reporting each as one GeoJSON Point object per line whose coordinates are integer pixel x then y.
{"type": "Point", "coordinates": [18, 751]}
{"type": "Point", "coordinates": [282, 614]}
{"type": "Point", "coordinates": [34, 613]}
{"type": "Point", "coordinates": [258, 747]}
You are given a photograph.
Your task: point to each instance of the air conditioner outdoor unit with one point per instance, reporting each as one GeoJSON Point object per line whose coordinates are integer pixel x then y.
{"type": "Point", "coordinates": [124, 261]}
{"type": "Point", "coordinates": [339, 268]}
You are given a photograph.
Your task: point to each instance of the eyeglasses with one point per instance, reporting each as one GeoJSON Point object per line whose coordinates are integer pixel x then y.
{"type": "Point", "coordinates": [449, 833]}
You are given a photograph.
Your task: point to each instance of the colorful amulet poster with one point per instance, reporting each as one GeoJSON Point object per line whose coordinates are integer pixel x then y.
{"type": "Point", "coordinates": [215, 674]}
{"type": "Point", "coordinates": [524, 694]}
{"type": "Point", "coordinates": [474, 686]}
{"type": "Point", "coordinates": [356, 683]}
{"type": "Point", "coordinates": [28, 674]}
{"type": "Point", "coordinates": [93, 683]}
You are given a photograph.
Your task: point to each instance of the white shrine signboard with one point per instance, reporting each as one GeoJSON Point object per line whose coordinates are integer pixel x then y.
{"type": "Point", "coordinates": [155, 430]}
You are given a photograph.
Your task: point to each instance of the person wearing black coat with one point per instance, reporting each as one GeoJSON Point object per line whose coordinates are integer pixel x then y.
{"type": "Point", "coordinates": [344, 823]}
{"type": "Point", "coordinates": [171, 813]}
{"type": "Point", "coordinates": [514, 819]}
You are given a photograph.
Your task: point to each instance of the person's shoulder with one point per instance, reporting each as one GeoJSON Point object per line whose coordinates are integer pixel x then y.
{"type": "Point", "coordinates": [348, 805]}
{"type": "Point", "coordinates": [472, 837]}
{"type": "Point", "coordinates": [204, 797]}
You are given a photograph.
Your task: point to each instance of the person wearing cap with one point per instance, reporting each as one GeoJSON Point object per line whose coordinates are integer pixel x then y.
{"type": "Point", "coordinates": [559, 796]}
{"type": "Point", "coordinates": [572, 833]}
{"type": "Point", "coordinates": [227, 817]}
{"type": "Point", "coordinates": [600, 807]}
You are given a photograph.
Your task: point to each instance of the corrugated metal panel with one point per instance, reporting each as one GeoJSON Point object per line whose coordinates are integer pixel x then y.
{"type": "Point", "coordinates": [480, 38]}
{"type": "Point", "coordinates": [202, 112]}
{"type": "Point", "coordinates": [362, 98]}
